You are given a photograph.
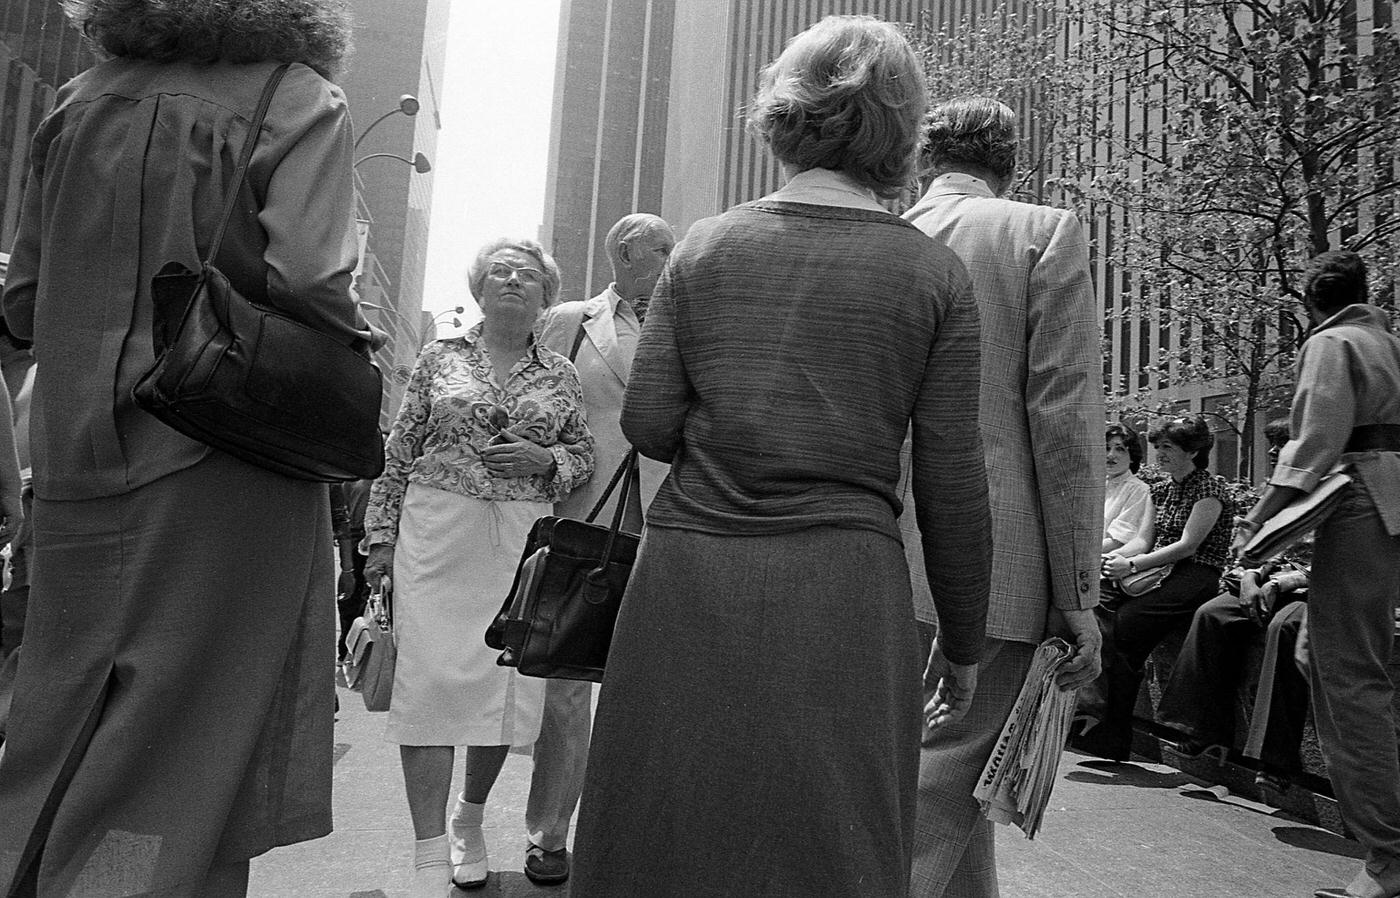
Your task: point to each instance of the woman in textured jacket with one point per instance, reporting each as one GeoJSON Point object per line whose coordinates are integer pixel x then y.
{"type": "Point", "coordinates": [173, 707]}
{"type": "Point", "coordinates": [759, 730]}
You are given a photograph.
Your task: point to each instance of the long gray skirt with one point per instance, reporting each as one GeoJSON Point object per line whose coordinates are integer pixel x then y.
{"type": "Point", "coordinates": [173, 708]}
{"type": "Point", "coordinates": [757, 732]}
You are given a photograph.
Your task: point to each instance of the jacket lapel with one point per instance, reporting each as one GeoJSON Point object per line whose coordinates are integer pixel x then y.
{"type": "Point", "coordinates": [602, 333]}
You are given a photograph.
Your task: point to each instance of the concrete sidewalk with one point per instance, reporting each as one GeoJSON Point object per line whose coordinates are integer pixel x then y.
{"type": "Point", "coordinates": [1140, 830]}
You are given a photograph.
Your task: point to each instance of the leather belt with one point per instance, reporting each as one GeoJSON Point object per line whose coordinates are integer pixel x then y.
{"type": "Point", "coordinates": [1368, 437]}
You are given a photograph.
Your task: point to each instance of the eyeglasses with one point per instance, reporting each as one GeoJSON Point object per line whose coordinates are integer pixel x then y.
{"type": "Point", "coordinates": [502, 271]}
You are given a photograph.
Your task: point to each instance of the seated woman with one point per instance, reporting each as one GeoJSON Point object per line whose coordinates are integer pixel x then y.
{"type": "Point", "coordinates": [1191, 532]}
{"type": "Point", "coordinates": [1200, 696]}
{"type": "Point", "coordinates": [1127, 501]}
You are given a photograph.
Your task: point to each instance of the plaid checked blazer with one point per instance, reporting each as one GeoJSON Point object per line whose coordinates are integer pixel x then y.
{"type": "Point", "coordinates": [1042, 414]}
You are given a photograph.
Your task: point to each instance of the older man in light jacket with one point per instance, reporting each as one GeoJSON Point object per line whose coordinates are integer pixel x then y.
{"type": "Point", "coordinates": [1041, 422]}
{"type": "Point", "coordinates": [599, 336]}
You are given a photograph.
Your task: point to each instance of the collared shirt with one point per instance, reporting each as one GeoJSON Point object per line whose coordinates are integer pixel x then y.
{"type": "Point", "coordinates": [824, 187]}
{"type": "Point", "coordinates": [1174, 503]}
{"type": "Point", "coordinates": [1127, 507]}
{"type": "Point", "coordinates": [625, 324]}
{"type": "Point", "coordinates": [445, 422]}
{"type": "Point", "coordinates": [1348, 375]}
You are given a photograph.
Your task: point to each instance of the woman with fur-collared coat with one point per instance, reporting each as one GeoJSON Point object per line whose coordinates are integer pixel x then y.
{"type": "Point", "coordinates": [174, 702]}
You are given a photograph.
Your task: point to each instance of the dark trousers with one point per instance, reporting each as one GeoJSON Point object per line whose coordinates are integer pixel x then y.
{"type": "Point", "coordinates": [1133, 626]}
{"type": "Point", "coordinates": [352, 604]}
{"type": "Point", "coordinates": [1201, 695]}
{"type": "Point", "coordinates": [1351, 631]}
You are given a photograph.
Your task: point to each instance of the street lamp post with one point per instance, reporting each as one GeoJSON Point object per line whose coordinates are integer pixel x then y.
{"type": "Point", "coordinates": [408, 105]}
{"type": "Point", "coordinates": [419, 162]}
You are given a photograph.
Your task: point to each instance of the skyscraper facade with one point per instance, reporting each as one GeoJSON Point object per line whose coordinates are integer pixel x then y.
{"type": "Point", "coordinates": [648, 113]}
{"type": "Point", "coordinates": [400, 49]}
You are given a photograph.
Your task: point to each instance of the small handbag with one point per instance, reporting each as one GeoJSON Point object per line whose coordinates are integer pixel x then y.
{"type": "Point", "coordinates": [370, 650]}
{"type": "Point", "coordinates": [1144, 581]}
{"type": "Point", "coordinates": [557, 620]}
{"type": "Point", "coordinates": [255, 383]}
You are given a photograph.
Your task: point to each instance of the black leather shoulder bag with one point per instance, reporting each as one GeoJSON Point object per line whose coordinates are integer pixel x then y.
{"type": "Point", "coordinates": [252, 382]}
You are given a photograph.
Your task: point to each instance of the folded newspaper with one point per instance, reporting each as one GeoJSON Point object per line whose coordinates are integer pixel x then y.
{"type": "Point", "coordinates": [1016, 783]}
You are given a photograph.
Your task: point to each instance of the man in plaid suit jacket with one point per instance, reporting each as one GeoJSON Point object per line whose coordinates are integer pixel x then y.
{"type": "Point", "coordinates": [1041, 420]}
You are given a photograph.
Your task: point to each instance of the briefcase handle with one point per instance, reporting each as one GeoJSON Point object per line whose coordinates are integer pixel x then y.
{"type": "Point", "coordinates": [628, 473]}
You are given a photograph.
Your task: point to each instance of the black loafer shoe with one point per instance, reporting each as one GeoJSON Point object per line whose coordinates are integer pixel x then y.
{"type": "Point", "coordinates": [544, 867]}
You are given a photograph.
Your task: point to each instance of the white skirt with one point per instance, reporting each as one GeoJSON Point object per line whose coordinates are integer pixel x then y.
{"type": "Point", "coordinates": [453, 564]}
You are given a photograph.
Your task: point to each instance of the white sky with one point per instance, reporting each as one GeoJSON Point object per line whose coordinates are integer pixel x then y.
{"type": "Point", "coordinates": [493, 149]}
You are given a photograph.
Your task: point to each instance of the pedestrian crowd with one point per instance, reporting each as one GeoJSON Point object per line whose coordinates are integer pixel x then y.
{"type": "Point", "coordinates": [871, 484]}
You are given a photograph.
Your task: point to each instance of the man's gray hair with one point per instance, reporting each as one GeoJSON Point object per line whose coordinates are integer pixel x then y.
{"type": "Point", "coordinates": [629, 227]}
{"type": "Point", "coordinates": [977, 131]}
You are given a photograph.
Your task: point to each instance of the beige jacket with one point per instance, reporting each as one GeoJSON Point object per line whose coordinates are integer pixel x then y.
{"type": "Point", "coordinates": [1042, 410]}
{"type": "Point", "coordinates": [603, 362]}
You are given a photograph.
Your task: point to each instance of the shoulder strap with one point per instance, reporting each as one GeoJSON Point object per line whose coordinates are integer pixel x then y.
{"type": "Point", "coordinates": [628, 468]}
{"type": "Point", "coordinates": [579, 334]}
{"type": "Point", "coordinates": [255, 129]}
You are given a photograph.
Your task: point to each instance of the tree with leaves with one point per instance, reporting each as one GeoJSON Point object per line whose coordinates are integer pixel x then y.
{"type": "Point", "coordinates": [1221, 144]}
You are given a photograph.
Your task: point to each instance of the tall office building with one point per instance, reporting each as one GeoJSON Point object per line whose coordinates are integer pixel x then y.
{"type": "Point", "coordinates": [648, 113]}
{"type": "Point", "coordinates": [39, 51]}
{"type": "Point", "coordinates": [400, 49]}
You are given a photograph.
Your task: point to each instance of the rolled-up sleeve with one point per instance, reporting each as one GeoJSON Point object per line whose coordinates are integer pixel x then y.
{"type": "Point", "coordinates": [950, 481]}
{"type": "Point", "coordinates": [1324, 412]}
{"type": "Point", "coordinates": [1131, 518]}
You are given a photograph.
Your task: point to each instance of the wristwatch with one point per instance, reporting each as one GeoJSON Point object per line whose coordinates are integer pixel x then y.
{"type": "Point", "coordinates": [1132, 566]}
{"type": "Point", "coordinates": [1246, 524]}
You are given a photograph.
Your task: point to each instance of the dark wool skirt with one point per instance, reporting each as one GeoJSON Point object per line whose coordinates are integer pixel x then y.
{"type": "Point", "coordinates": [758, 730]}
{"type": "Point", "coordinates": [174, 703]}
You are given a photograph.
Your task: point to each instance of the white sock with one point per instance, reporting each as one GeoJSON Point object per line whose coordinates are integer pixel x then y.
{"type": "Point", "coordinates": [431, 869]}
{"type": "Point", "coordinates": [468, 813]}
{"type": "Point", "coordinates": [428, 853]}
{"type": "Point", "coordinates": [468, 841]}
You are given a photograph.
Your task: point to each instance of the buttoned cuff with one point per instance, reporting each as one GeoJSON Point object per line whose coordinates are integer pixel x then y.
{"type": "Point", "coordinates": [1079, 590]}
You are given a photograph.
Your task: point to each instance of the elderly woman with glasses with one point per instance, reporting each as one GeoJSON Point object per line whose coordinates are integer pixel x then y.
{"type": "Point", "coordinates": [758, 733]}
{"type": "Point", "coordinates": [490, 434]}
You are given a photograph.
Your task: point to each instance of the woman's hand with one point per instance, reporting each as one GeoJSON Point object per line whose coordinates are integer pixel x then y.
{"type": "Point", "coordinates": [1115, 567]}
{"type": "Point", "coordinates": [379, 564]}
{"type": "Point", "coordinates": [953, 686]}
{"type": "Point", "coordinates": [511, 455]}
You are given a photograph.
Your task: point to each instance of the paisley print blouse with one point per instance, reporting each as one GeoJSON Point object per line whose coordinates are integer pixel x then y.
{"type": "Point", "coordinates": [451, 410]}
